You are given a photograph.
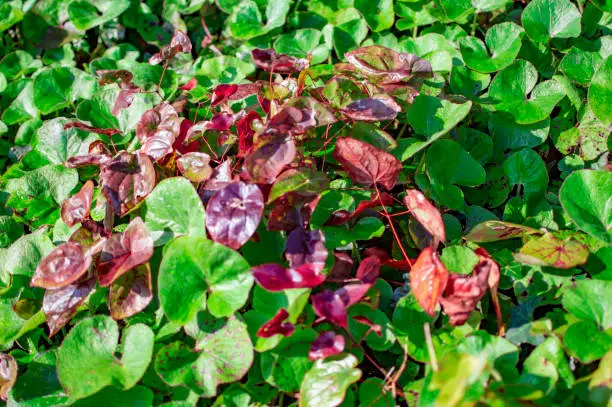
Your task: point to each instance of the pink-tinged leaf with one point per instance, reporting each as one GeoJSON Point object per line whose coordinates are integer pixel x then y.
{"type": "Point", "coordinates": [351, 294]}
{"type": "Point", "coordinates": [221, 93]}
{"type": "Point", "coordinates": [86, 127]}
{"type": "Point", "coordinates": [377, 329]}
{"type": "Point", "coordinates": [341, 217]}
{"type": "Point", "coordinates": [192, 83]}
{"type": "Point", "coordinates": [385, 65]}
{"type": "Point", "coordinates": [124, 251]}
{"type": "Point", "coordinates": [8, 374]}
{"type": "Point", "coordinates": [64, 265]}
{"type": "Point", "coordinates": [276, 326]}
{"type": "Point", "coordinates": [551, 251]}
{"type": "Point", "coordinates": [298, 115]}
{"type": "Point", "coordinates": [221, 176]}
{"type": "Point", "coordinates": [428, 278]}
{"type": "Point", "coordinates": [269, 159]}
{"type": "Point", "coordinates": [374, 109]}
{"type": "Point", "coordinates": [180, 143]}
{"type": "Point", "coordinates": [245, 90]}
{"type": "Point", "coordinates": [127, 180]}
{"type": "Point", "coordinates": [85, 160]}
{"type": "Point", "coordinates": [76, 208]}
{"type": "Point", "coordinates": [426, 214]}
{"type": "Point", "coordinates": [221, 122]}
{"type": "Point", "coordinates": [331, 306]}
{"type": "Point", "coordinates": [131, 293]}
{"type": "Point", "coordinates": [327, 344]}
{"type": "Point", "coordinates": [274, 277]}
{"type": "Point", "coordinates": [369, 270]}
{"type": "Point", "coordinates": [60, 305]}
{"type": "Point", "coordinates": [181, 41]}
{"type": "Point", "coordinates": [195, 166]}
{"type": "Point", "coordinates": [125, 98]}
{"type": "Point", "coordinates": [108, 76]}
{"type": "Point", "coordinates": [156, 59]}
{"type": "Point", "coordinates": [367, 164]}
{"type": "Point", "coordinates": [306, 248]}
{"type": "Point", "coordinates": [161, 117]}
{"type": "Point", "coordinates": [244, 128]}
{"type": "Point", "coordinates": [494, 230]}
{"type": "Point", "coordinates": [463, 292]}
{"type": "Point", "coordinates": [233, 214]}
{"type": "Point", "coordinates": [269, 61]}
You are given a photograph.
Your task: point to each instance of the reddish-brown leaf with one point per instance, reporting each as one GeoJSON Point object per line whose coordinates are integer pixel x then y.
{"type": "Point", "coordinates": [388, 66]}
{"type": "Point", "coordinates": [131, 293]}
{"type": "Point", "coordinates": [269, 159]}
{"type": "Point", "coordinates": [76, 208]}
{"type": "Point", "coordinates": [367, 164]}
{"type": "Point", "coordinates": [428, 278]}
{"type": "Point", "coordinates": [244, 127]}
{"type": "Point", "coordinates": [463, 292]}
{"type": "Point", "coordinates": [276, 326]}
{"type": "Point", "coordinates": [60, 305]}
{"type": "Point", "coordinates": [374, 109]}
{"type": "Point", "coordinates": [426, 214]}
{"type": "Point", "coordinates": [64, 265]}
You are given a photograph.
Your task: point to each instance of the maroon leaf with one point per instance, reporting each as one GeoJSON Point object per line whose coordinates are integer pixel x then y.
{"type": "Point", "coordinates": [195, 166]}
{"type": "Point", "coordinates": [60, 305]}
{"type": "Point", "coordinates": [274, 277]}
{"type": "Point", "coordinates": [221, 176]}
{"type": "Point", "coordinates": [343, 266]}
{"type": "Point", "coordinates": [219, 122]}
{"type": "Point", "coordinates": [369, 270]}
{"type": "Point", "coordinates": [131, 293]}
{"type": "Point", "coordinates": [270, 61]}
{"type": "Point", "coordinates": [367, 164]}
{"type": "Point", "coordinates": [426, 214]}
{"type": "Point", "coordinates": [124, 251]}
{"type": "Point", "coordinates": [331, 306]}
{"type": "Point", "coordinates": [276, 326]}
{"type": "Point", "coordinates": [269, 159]}
{"type": "Point", "coordinates": [377, 329]}
{"type": "Point", "coordinates": [327, 344]}
{"type": "Point", "coordinates": [180, 143]}
{"type": "Point", "coordinates": [386, 260]}
{"type": "Point", "coordinates": [64, 265]}
{"type": "Point", "coordinates": [245, 90]}
{"type": "Point", "coordinates": [290, 211]}
{"type": "Point", "coordinates": [373, 109]}
{"type": "Point", "coordinates": [388, 66]}
{"type": "Point", "coordinates": [298, 115]}
{"type": "Point", "coordinates": [306, 248]}
{"type": "Point", "coordinates": [428, 278]}
{"type": "Point", "coordinates": [8, 374]}
{"type": "Point", "coordinates": [86, 127]}
{"type": "Point", "coordinates": [341, 217]}
{"type": "Point", "coordinates": [76, 208]}
{"type": "Point", "coordinates": [244, 127]}
{"type": "Point", "coordinates": [127, 180]}
{"type": "Point", "coordinates": [233, 214]}
{"type": "Point", "coordinates": [221, 93]}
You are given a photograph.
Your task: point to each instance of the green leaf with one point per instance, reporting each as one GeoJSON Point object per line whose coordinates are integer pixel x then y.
{"type": "Point", "coordinates": [18, 64]}
{"type": "Point", "coordinates": [547, 19]}
{"type": "Point", "coordinates": [408, 319]}
{"type": "Point", "coordinates": [10, 14]}
{"type": "Point", "coordinates": [376, 316]}
{"type": "Point", "coordinates": [467, 82]}
{"type": "Point", "coordinates": [246, 21]}
{"type": "Point", "coordinates": [23, 256]}
{"type": "Point", "coordinates": [459, 259]}
{"type": "Point", "coordinates": [600, 92]}
{"type": "Point", "coordinates": [54, 181]}
{"type": "Point", "coordinates": [222, 69]}
{"type": "Point", "coordinates": [57, 88]}
{"type": "Point", "coordinates": [581, 61]}
{"type": "Point", "coordinates": [586, 342]}
{"type": "Point", "coordinates": [302, 181]}
{"type": "Point", "coordinates": [373, 393]}
{"type": "Point", "coordinates": [590, 300]}
{"type": "Point", "coordinates": [136, 396]}
{"type": "Point", "coordinates": [302, 43]}
{"type": "Point", "coordinates": [86, 14]}
{"type": "Point", "coordinates": [193, 266]}
{"type": "Point", "coordinates": [586, 196]}
{"type": "Point", "coordinates": [20, 98]}
{"type": "Point", "coordinates": [503, 43]}
{"type": "Point", "coordinates": [549, 250]}
{"type": "Point", "coordinates": [326, 383]}
{"type": "Point", "coordinates": [365, 229]}
{"type": "Point", "coordinates": [174, 209]}
{"type": "Point", "coordinates": [525, 167]}
{"type": "Point", "coordinates": [91, 346]}
{"type": "Point", "coordinates": [507, 134]}
{"type": "Point", "coordinates": [348, 33]}
{"type": "Point", "coordinates": [544, 368]}
{"type": "Point", "coordinates": [378, 13]}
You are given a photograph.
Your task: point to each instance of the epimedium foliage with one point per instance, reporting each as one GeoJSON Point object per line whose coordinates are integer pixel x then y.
{"type": "Point", "coordinates": [314, 203]}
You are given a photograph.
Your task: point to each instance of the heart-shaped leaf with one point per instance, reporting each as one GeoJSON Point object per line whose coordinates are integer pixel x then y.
{"type": "Point", "coordinates": [63, 265]}
{"type": "Point", "coordinates": [547, 19]}
{"type": "Point", "coordinates": [195, 166]}
{"type": "Point", "coordinates": [268, 159]}
{"type": "Point", "coordinates": [503, 41]}
{"type": "Point", "coordinates": [328, 380]}
{"type": "Point", "coordinates": [385, 65]}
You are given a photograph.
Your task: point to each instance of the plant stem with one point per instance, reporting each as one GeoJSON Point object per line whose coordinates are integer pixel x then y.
{"type": "Point", "coordinates": [395, 235]}
{"type": "Point", "coordinates": [430, 347]}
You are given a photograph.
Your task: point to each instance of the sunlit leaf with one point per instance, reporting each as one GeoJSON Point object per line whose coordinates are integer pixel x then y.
{"type": "Point", "coordinates": [64, 265]}
{"type": "Point", "coordinates": [327, 344]}
{"type": "Point", "coordinates": [425, 213]}
{"type": "Point", "coordinates": [274, 277]}
{"type": "Point", "coordinates": [76, 208]}
{"type": "Point", "coordinates": [276, 326]}
{"type": "Point", "coordinates": [428, 278]}
{"type": "Point", "coordinates": [8, 374]}
{"type": "Point", "coordinates": [374, 109]}
{"type": "Point", "coordinates": [552, 251]}
{"type": "Point", "coordinates": [270, 61]}
{"type": "Point", "coordinates": [388, 66]}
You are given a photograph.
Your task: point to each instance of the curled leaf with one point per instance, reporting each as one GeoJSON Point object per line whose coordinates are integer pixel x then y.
{"type": "Point", "coordinates": [276, 326]}
{"type": "Point", "coordinates": [131, 293]}
{"type": "Point", "coordinates": [180, 43]}
{"type": "Point", "coordinates": [269, 61]}
{"type": "Point", "coordinates": [373, 109]}
{"type": "Point", "coordinates": [60, 304]}
{"type": "Point", "coordinates": [195, 166]}
{"type": "Point", "coordinates": [388, 66]}
{"type": "Point", "coordinates": [306, 248]}
{"type": "Point", "coordinates": [327, 344]}
{"type": "Point", "coordinates": [233, 214]}
{"type": "Point", "coordinates": [367, 164]}
{"type": "Point", "coordinates": [8, 374]}
{"type": "Point", "coordinates": [157, 130]}
{"type": "Point", "coordinates": [76, 208]}
{"type": "Point", "coordinates": [64, 265]}
{"type": "Point", "coordinates": [274, 277]}
{"type": "Point", "coordinates": [428, 278]}
{"type": "Point", "coordinates": [425, 213]}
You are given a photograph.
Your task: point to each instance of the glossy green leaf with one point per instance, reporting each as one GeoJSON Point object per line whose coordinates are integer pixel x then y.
{"type": "Point", "coordinates": [326, 383]}
{"type": "Point", "coordinates": [600, 92]}
{"type": "Point", "coordinates": [503, 42]}
{"type": "Point", "coordinates": [547, 19]}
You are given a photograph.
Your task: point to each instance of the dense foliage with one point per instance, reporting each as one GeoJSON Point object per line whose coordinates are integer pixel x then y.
{"type": "Point", "coordinates": [305, 202]}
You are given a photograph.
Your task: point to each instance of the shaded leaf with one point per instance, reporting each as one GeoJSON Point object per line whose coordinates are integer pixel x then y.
{"type": "Point", "coordinates": [131, 293]}
{"type": "Point", "coordinates": [60, 305]}
{"type": "Point", "coordinates": [306, 248]}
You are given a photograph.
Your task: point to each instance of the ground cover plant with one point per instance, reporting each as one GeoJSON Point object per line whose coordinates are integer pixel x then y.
{"type": "Point", "coordinates": [305, 203]}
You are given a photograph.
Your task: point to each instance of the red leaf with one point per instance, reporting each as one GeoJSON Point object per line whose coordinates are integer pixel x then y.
{"type": "Point", "coordinates": [377, 329]}
{"type": "Point", "coordinates": [298, 115]}
{"type": "Point", "coordinates": [388, 66]}
{"type": "Point", "coordinates": [193, 82]}
{"type": "Point", "coordinates": [233, 214]}
{"type": "Point", "coordinates": [269, 159]}
{"type": "Point", "coordinates": [76, 208]}
{"type": "Point", "coordinates": [367, 164]}
{"type": "Point", "coordinates": [373, 109]}
{"type": "Point", "coordinates": [351, 294]}
{"type": "Point", "coordinates": [131, 293]}
{"type": "Point", "coordinates": [276, 326]}
{"type": "Point", "coordinates": [428, 278]}
{"type": "Point", "coordinates": [124, 251]}
{"type": "Point", "coordinates": [244, 127]}
{"type": "Point", "coordinates": [426, 214]}
{"type": "Point", "coordinates": [331, 306]}
{"type": "Point", "coordinates": [369, 270]}
{"type": "Point", "coordinates": [463, 292]}
{"type": "Point", "coordinates": [60, 305]}
{"type": "Point", "coordinates": [274, 277]}
{"type": "Point", "coordinates": [221, 93]}
{"type": "Point", "coordinates": [327, 344]}
{"type": "Point", "coordinates": [221, 176]}
{"type": "Point", "coordinates": [270, 61]}
{"type": "Point", "coordinates": [157, 130]}
{"type": "Point", "coordinates": [180, 142]}
{"type": "Point", "coordinates": [64, 265]}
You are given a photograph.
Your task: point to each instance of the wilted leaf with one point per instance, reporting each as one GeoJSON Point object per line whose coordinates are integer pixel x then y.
{"type": "Point", "coordinates": [233, 214]}
{"type": "Point", "coordinates": [385, 65]}
{"type": "Point", "coordinates": [131, 293]}
{"type": "Point", "coordinates": [124, 251]}
{"type": "Point", "coordinates": [267, 160]}
{"type": "Point", "coordinates": [425, 213]}
{"type": "Point", "coordinates": [374, 109]}
{"type": "Point", "coordinates": [195, 166]}
{"type": "Point", "coordinates": [76, 208]}
{"type": "Point", "coordinates": [60, 305]}
{"type": "Point", "coordinates": [327, 344]}
{"type": "Point", "coordinates": [276, 326]}
{"type": "Point", "coordinates": [274, 277]}
{"type": "Point", "coordinates": [428, 278]}
{"type": "Point", "coordinates": [8, 374]}
{"type": "Point", "coordinates": [270, 61]}
{"type": "Point", "coordinates": [64, 265]}
{"type": "Point", "coordinates": [549, 250]}
{"type": "Point", "coordinates": [366, 164]}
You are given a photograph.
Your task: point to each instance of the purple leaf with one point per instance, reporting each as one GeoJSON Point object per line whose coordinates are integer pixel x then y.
{"type": "Point", "coordinates": [131, 293]}
{"type": "Point", "coordinates": [298, 115]}
{"type": "Point", "coordinates": [385, 65]}
{"type": "Point", "coordinates": [60, 305]}
{"type": "Point", "coordinates": [373, 109]}
{"type": "Point", "coordinates": [195, 166]}
{"type": "Point", "coordinates": [233, 214]}
{"type": "Point", "coordinates": [127, 180]}
{"type": "Point", "coordinates": [64, 265]}
{"type": "Point", "coordinates": [274, 277]}
{"type": "Point", "coordinates": [76, 208]}
{"type": "Point", "coordinates": [327, 344]}
{"type": "Point", "coordinates": [221, 176]}
{"type": "Point", "coordinates": [269, 159]}
{"type": "Point", "coordinates": [306, 248]}
{"type": "Point", "coordinates": [269, 61]}
{"type": "Point", "coordinates": [276, 326]}
{"type": "Point", "coordinates": [331, 306]}
{"type": "Point", "coordinates": [124, 251]}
